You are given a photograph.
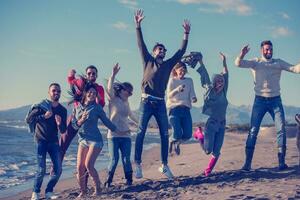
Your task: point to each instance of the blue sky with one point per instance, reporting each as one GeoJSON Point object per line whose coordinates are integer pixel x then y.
{"type": "Point", "coordinates": [41, 40]}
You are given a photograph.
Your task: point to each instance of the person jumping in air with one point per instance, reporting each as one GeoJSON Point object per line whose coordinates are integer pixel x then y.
{"type": "Point", "coordinates": [215, 105]}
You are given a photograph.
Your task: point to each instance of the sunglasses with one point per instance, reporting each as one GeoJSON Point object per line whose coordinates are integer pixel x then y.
{"type": "Point", "coordinates": [91, 73]}
{"type": "Point", "coordinates": [58, 91]}
{"type": "Point", "coordinates": [162, 49]}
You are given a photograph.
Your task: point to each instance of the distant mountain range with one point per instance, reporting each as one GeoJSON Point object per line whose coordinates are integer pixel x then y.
{"type": "Point", "coordinates": [235, 114]}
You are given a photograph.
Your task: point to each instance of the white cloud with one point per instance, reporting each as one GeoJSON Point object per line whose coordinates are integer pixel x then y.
{"type": "Point", "coordinates": [284, 15]}
{"type": "Point", "coordinates": [221, 6]}
{"type": "Point", "coordinates": [120, 25]}
{"type": "Point", "coordinates": [281, 32]}
{"type": "Point", "coordinates": [132, 4]}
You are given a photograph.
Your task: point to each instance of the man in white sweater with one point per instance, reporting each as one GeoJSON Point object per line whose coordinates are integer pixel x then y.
{"type": "Point", "coordinates": [266, 72]}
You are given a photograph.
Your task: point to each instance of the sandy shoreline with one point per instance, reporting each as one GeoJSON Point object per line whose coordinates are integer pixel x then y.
{"type": "Point", "coordinates": [227, 182]}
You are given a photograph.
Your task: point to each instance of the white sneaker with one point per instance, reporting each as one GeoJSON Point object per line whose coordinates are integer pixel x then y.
{"type": "Point", "coordinates": [138, 171]}
{"type": "Point", "coordinates": [165, 170]}
{"type": "Point", "coordinates": [51, 195]}
{"type": "Point", "coordinates": [35, 196]}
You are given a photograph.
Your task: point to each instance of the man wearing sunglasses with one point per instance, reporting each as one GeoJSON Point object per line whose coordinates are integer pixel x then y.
{"type": "Point", "coordinates": [48, 121]}
{"type": "Point", "coordinates": [154, 83]}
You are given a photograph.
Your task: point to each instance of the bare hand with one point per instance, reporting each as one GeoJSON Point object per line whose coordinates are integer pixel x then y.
{"type": "Point", "coordinates": [181, 88]}
{"type": "Point", "coordinates": [83, 117]}
{"type": "Point", "coordinates": [57, 119]}
{"type": "Point", "coordinates": [223, 57]}
{"type": "Point", "coordinates": [116, 69]}
{"type": "Point", "coordinates": [138, 17]}
{"type": "Point", "coordinates": [187, 26]}
{"type": "Point", "coordinates": [48, 114]}
{"type": "Point", "coordinates": [244, 51]}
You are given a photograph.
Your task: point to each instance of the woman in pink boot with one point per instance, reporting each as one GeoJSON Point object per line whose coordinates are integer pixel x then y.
{"type": "Point", "coordinates": [215, 105]}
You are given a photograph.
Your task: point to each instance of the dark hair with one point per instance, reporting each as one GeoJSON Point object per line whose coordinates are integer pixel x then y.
{"type": "Point", "coordinates": [91, 67]}
{"type": "Point", "coordinates": [266, 42]}
{"type": "Point", "coordinates": [87, 87]}
{"type": "Point", "coordinates": [177, 66]}
{"type": "Point", "coordinates": [54, 84]}
{"type": "Point", "coordinates": [158, 45]}
{"type": "Point", "coordinates": [122, 86]}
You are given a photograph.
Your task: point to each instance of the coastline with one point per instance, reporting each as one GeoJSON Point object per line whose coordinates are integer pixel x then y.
{"type": "Point", "coordinates": [226, 182]}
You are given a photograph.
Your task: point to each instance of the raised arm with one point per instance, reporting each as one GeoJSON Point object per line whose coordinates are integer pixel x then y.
{"type": "Point", "coordinates": [289, 67]}
{"type": "Point", "coordinates": [240, 62]}
{"type": "Point", "coordinates": [138, 18]}
{"type": "Point", "coordinates": [111, 80]}
{"type": "Point", "coordinates": [223, 57]}
{"type": "Point", "coordinates": [180, 52]}
{"type": "Point", "coordinates": [204, 77]}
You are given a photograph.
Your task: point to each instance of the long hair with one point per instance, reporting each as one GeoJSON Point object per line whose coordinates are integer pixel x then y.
{"type": "Point", "coordinates": [177, 66]}
{"type": "Point", "coordinates": [122, 86]}
{"type": "Point", "coordinates": [87, 87]}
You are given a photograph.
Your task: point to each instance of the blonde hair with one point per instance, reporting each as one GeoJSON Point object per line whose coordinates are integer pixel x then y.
{"type": "Point", "coordinates": [177, 66]}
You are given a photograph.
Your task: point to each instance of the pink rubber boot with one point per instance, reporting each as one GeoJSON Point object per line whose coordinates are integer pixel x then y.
{"type": "Point", "coordinates": [212, 162]}
{"type": "Point", "coordinates": [198, 135]}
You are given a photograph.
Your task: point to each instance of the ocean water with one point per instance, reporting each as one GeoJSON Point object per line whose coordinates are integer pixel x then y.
{"type": "Point", "coordinates": [18, 157]}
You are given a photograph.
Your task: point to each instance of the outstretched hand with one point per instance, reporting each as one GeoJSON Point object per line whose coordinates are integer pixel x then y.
{"type": "Point", "coordinates": [223, 57]}
{"type": "Point", "coordinates": [244, 51]}
{"type": "Point", "coordinates": [116, 69]}
{"type": "Point", "coordinates": [138, 17]}
{"type": "Point", "coordinates": [187, 26]}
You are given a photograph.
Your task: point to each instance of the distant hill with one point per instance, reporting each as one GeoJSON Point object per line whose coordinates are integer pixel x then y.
{"type": "Point", "coordinates": [235, 114]}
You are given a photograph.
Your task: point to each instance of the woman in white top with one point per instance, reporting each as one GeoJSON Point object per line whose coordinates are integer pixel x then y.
{"type": "Point", "coordinates": [119, 112]}
{"type": "Point", "coordinates": [180, 96]}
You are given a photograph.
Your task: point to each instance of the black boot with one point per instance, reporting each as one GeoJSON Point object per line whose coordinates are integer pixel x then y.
{"type": "Point", "coordinates": [109, 179]}
{"type": "Point", "coordinates": [249, 155]}
{"type": "Point", "coordinates": [128, 176]}
{"type": "Point", "coordinates": [281, 158]}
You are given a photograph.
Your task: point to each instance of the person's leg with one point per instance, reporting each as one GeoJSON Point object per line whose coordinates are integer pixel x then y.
{"type": "Point", "coordinates": [218, 142]}
{"type": "Point", "coordinates": [176, 136]}
{"type": "Point", "coordinates": [259, 109]}
{"type": "Point", "coordinates": [81, 170]}
{"type": "Point", "coordinates": [54, 152]}
{"type": "Point", "coordinates": [41, 166]}
{"type": "Point", "coordinates": [146, 113]}
{"type": "Point", "coordinates": [211, 128]}
{"type": "Point", "coordinates": [278, 116]}
{"type": "Point", "coordinates": [91, 157]}
{"type": "Point", "coordinates": [113, 148]}
{"type": "Point", "coordinates": [125, 147]}
{"type": "Point", "coordinates": [67, 137]}
{"type": "Point", "coordinates": [187, 125]}
{"type": "Point", "coordinates": [161, 118]}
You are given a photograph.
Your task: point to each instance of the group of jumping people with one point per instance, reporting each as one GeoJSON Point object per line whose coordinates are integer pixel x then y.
{"type": "Point", "coordinates": [168, 96]}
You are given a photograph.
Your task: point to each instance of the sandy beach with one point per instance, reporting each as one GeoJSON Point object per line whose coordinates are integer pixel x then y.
{"type": "Point", "coordinates": [226, 182]}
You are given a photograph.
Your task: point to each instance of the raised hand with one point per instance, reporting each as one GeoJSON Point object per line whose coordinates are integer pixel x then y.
{"type": "Point", "coordinates": [83, 117]}
{"type": "Point", "coordinates": [138, 17]}
{"type": "Point", "coordinates": [116, 69]}
{"type": "Point", "coordinates": [223, 57]}
{"type": "Point", "coordinates": [187, 26]}
{"type": "Point", "coordinates": [244, 51]}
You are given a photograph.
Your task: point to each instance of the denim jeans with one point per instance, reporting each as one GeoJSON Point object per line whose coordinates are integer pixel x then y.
{"type": "Point", "coordinates": [124, 145]}
{"type": "Point", "coordinates": [214, 136]}
{"type": "Point", "coordinates": [261, 106]}
{"type": "Point", "coordinates": [158, 109]}
{"type": "Point", "coordinates": [54, 152]}
{"type": "Point", "coordinates": [181, 122]}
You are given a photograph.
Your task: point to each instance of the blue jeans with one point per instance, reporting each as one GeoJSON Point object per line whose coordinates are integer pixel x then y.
{"type": "Point", "coordinates": [261, 106]}
{"type": "Point", "coordinates": [158, 109]}
{"type": "Point", "coordinates": [181, 122]}
{"type": "Point", "coordinates": [54, 152]}
{"type": "Point", "coordinates": [124, 145]}
{"type": "Point", "coordinates": [214, 136]}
